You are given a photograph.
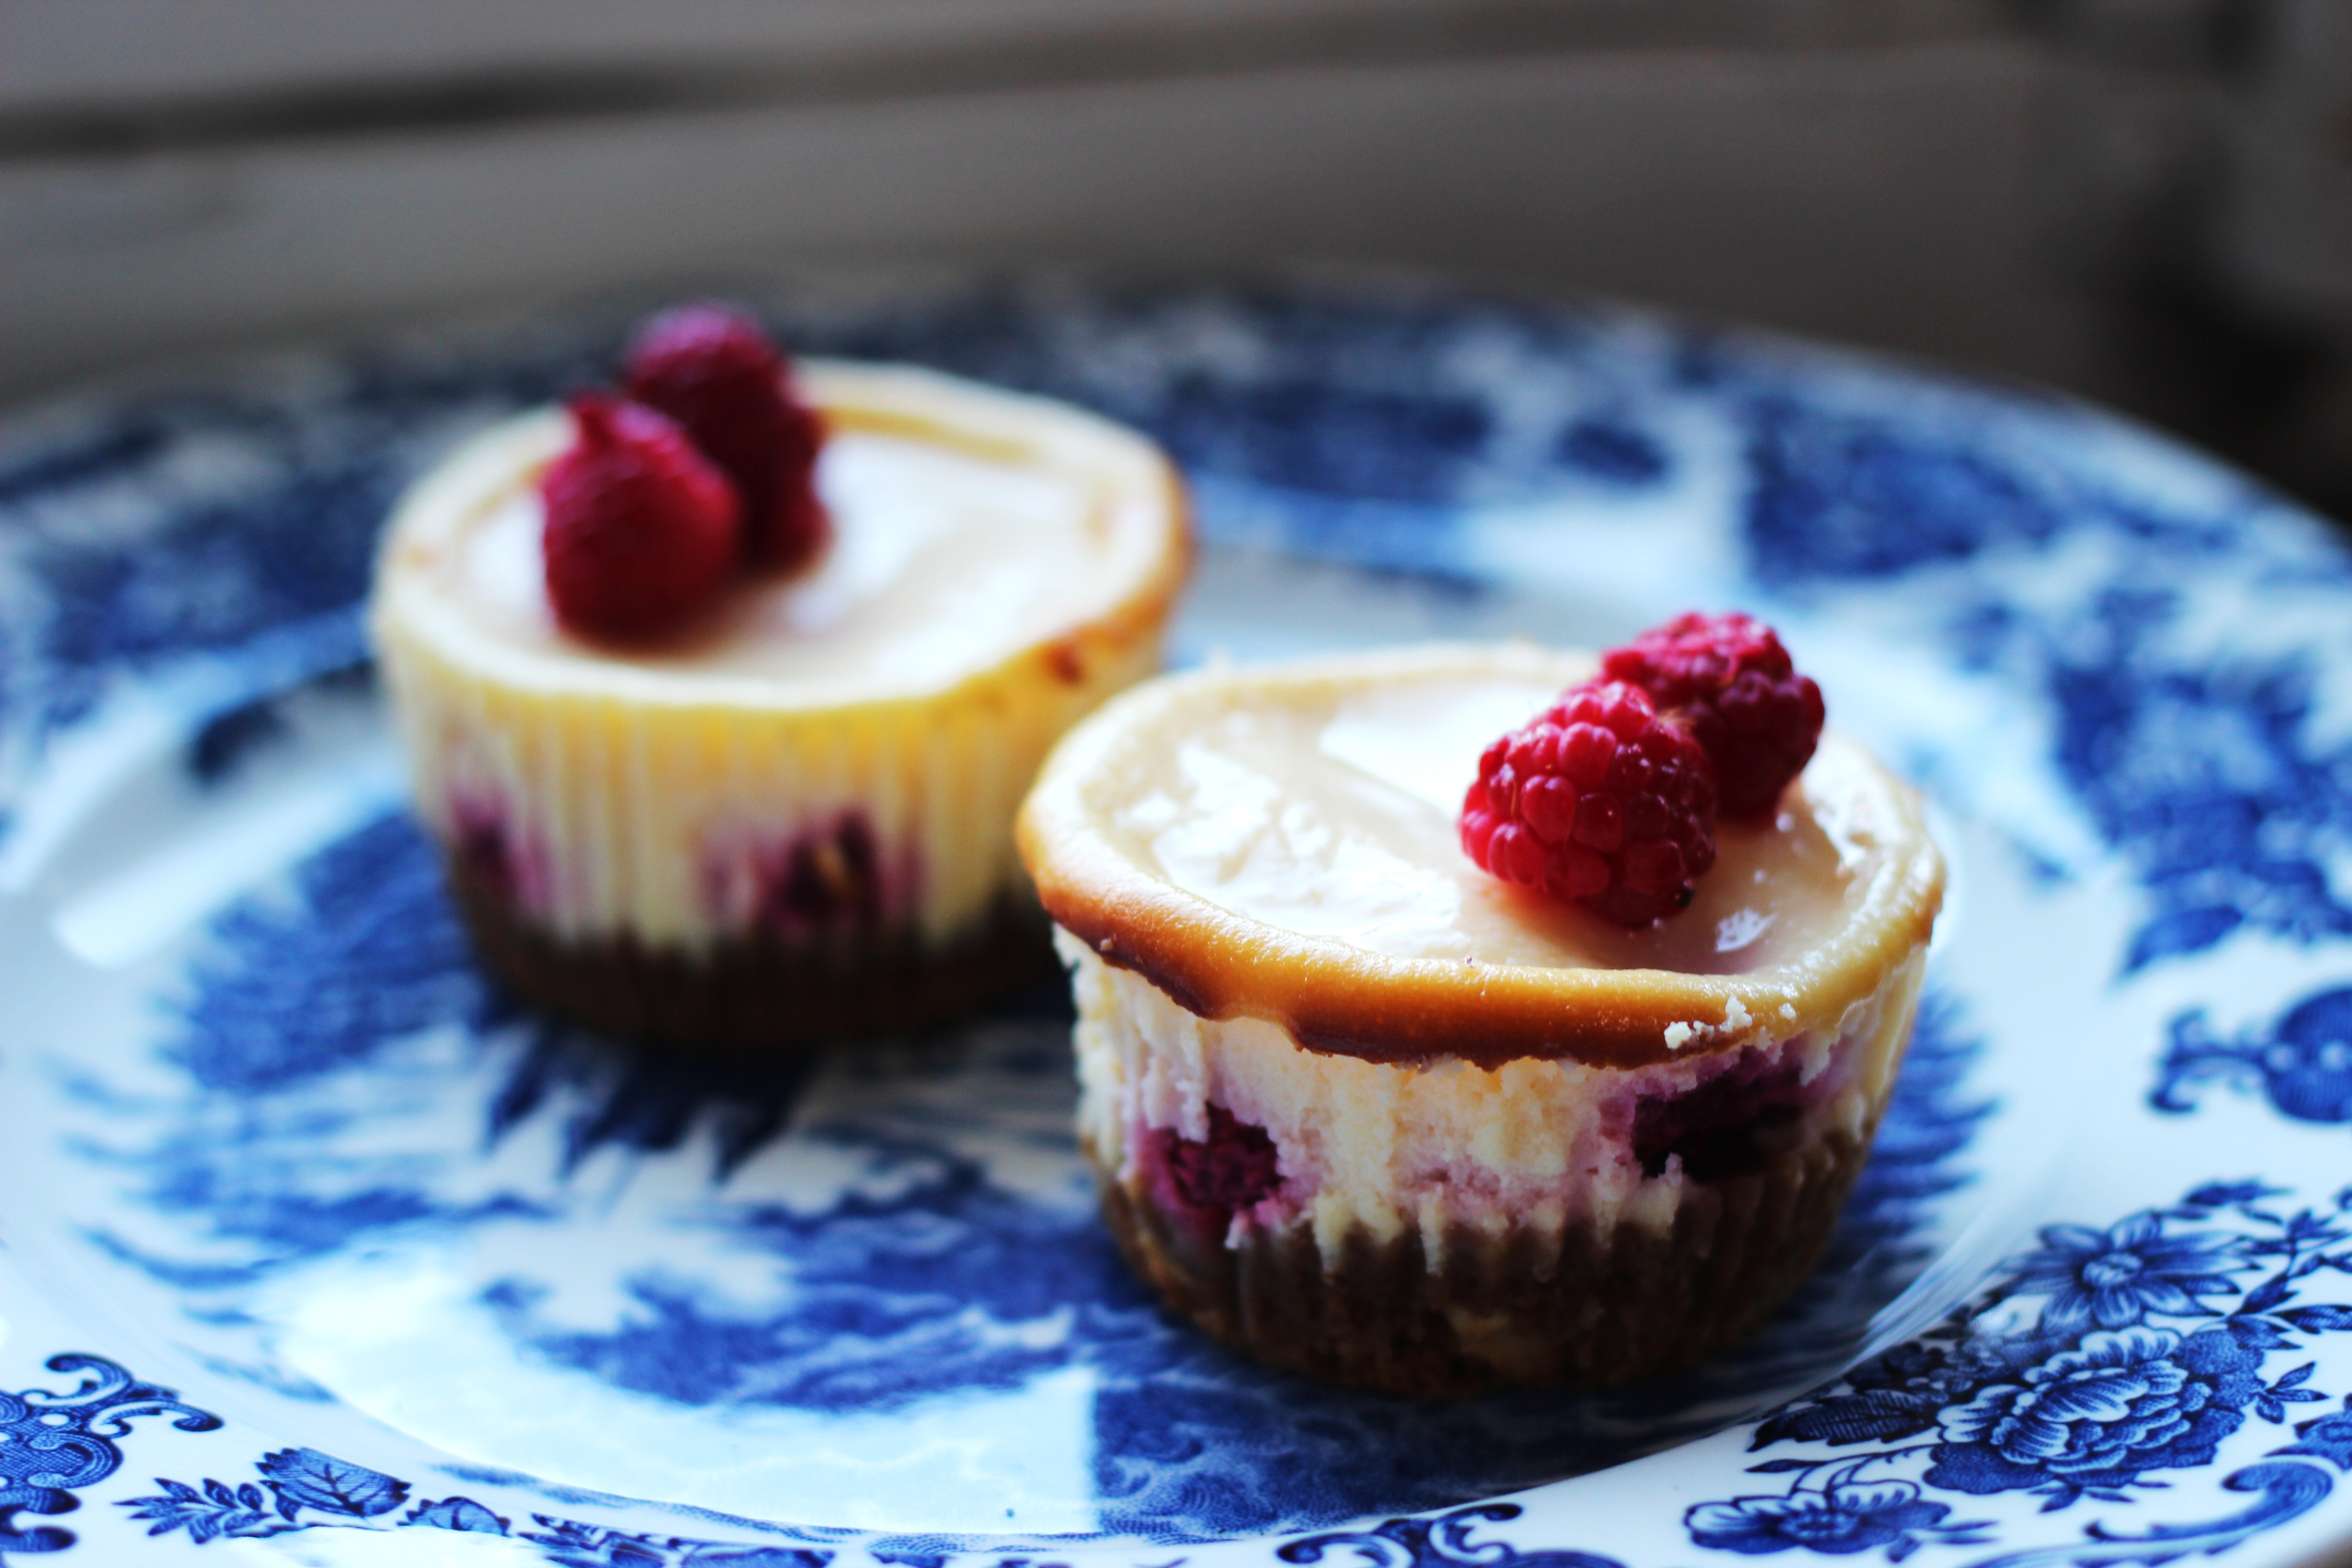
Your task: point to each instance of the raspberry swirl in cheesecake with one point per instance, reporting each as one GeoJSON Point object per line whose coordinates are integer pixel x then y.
{"type": "Point", "coordinates": [790, 817]}
{"type": "Point", "coordinates": [1370, 1112]}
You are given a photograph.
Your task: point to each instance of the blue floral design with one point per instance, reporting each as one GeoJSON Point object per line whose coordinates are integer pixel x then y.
{"type": "Point", "coordinates": [2094, 1417]}
{"type": "Point", "coordinates": [1844, 496]}
{"type": "Point", "coordinates": [1440, 1542]}
{"type": "Point", "coordinates": [1840, 1516]}
{"type": "Point", "coordinates": [2124, 1275]}
{"type": "Point", "coordinates": [54, 1445]}
{"type": "Point", "coordinates": [2210, 777]}
{"type": "Point", "coordinates": [305, 1477]}
{"type": "Point", "coordinates": [2206, 779]}
{"type": "Point", "coordinates": [209, 1512]}
{"type": "Point", "coordinates": [572, 1545]}
{"type": "Point", "coordinates": [293, 1481]}
{"type": "Point", "coordinates": [2085, 1395]}
{"type": "Point", "coordinates": [2303, 1064]}
{"type": "Point", "coordinates": [303, 1488]}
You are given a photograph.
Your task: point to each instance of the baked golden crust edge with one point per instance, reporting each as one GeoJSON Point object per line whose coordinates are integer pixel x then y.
{"type": "Point", "coordinates": [1334, 998]}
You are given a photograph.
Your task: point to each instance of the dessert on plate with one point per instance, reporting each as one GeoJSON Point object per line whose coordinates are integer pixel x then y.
{"type": "Point", "coordinates": [720, 696]}
{"type": "Point", "coordinates": [1367, 1109]}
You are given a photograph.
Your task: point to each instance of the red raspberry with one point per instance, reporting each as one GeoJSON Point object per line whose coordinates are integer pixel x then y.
{"type": "Point", "coordinates": [641, 531]}
{"type": "Point", "coordinates": [1730, 680]}
{"type": "Point", "coordinates": [1598, 799]}
{"type": "Point", "coordinates": [714, 371]}
{"type": "Point", "coordinates": [1234, 1168]}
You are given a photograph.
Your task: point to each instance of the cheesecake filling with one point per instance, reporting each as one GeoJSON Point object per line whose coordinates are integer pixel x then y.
{"type": "Point", "coordinates": [1232, 1125]}
{"type": "Point", "coordinates": [944, 561]}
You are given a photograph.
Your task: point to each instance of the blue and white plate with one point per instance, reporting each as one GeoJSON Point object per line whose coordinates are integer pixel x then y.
{"type": "Point", "coordinates": [320, 1249]}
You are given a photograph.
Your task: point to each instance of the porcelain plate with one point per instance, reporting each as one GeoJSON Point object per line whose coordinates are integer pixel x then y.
{"type": "Point", "coordinates": [318, 1247]}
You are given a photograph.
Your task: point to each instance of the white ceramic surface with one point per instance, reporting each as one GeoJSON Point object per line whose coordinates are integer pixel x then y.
{"type": "Point", "coordinates": [320, 1249]}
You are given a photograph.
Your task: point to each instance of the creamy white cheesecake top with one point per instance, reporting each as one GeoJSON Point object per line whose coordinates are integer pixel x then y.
{"type": "Point", "coordinates": [972, 525]}
{"type": "Point", "coordinates": [1282, 844]}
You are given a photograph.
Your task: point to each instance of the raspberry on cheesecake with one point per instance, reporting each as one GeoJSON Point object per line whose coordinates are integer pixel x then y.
{"type": "Point", "coordinates": [722, 730]}
{"type": "Point", "coordinates": [641, 531]}
{"type": "Point", "coordinates": [1599, 800]}
{"type": "Point", "coordinates": [714, 371]}
{"type": "Point", "coordinates": [1366, 1109]}
{"type": "Point", "coordinates": [1730, 683]}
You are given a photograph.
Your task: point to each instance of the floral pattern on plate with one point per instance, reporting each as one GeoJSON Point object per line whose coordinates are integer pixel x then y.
{"type": "Point", "coordinates": [284, 1149]}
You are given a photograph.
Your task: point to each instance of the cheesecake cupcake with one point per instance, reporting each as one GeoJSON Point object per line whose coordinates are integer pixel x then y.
{"type": "Point", "coordinates": [720, 715]}
{"type": "Point", "coordinates": [1365, 1108]}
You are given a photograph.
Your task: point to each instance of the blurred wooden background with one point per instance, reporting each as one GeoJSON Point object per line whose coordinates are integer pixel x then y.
{"type": "Point", "coordinates": [2147, 201]}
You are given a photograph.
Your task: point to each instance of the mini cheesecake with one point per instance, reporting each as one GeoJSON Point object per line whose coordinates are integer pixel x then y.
{"type": "Point", "coordinates": [794, 821]}
{"type": "Point", "coordinates": [1366, 1112]}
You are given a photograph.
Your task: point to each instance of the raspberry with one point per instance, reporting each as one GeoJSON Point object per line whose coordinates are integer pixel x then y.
{"type": "Point", "coordinates": [1206, 1183]}
{"type": "Point", "coordinates": [1233, 1168]}
{"type": "Point", "coordinates": [1718, 1127]}
{"type": "Point", "coordinates": [641, 531]}
{"type": "Point", "coordinates": [714, 371]}
{"type": "Point", "coordinates": [1598, 799]}
{"type": "Point", "coordinates": [1730, 682]}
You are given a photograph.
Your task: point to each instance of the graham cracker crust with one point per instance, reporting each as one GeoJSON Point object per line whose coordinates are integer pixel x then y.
{"type": "Point", "coordinates": [1517, 1308]}
{"type": "Point", "coordinates": [758, 992]}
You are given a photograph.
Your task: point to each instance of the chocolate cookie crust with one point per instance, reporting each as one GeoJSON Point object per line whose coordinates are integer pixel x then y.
{"type": "Point", "coordinates": [759, 993]}
{"type": "Point", "coordinates": [1584, 1308]}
